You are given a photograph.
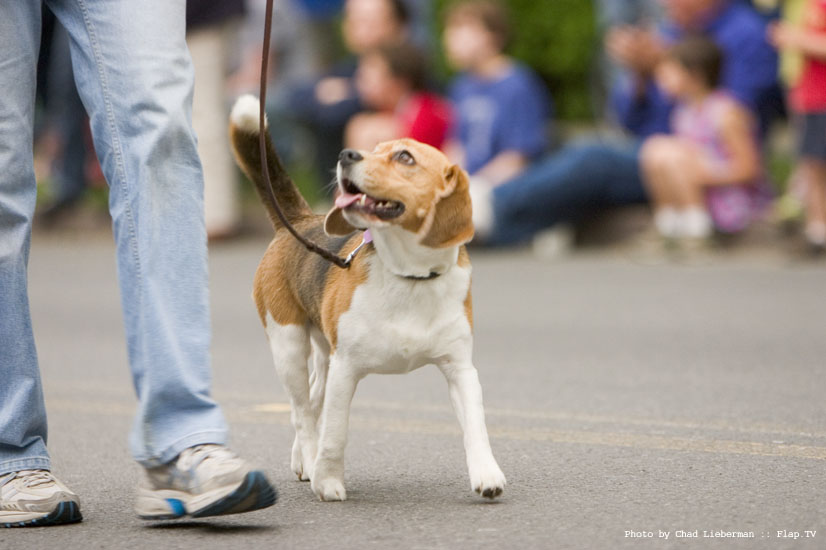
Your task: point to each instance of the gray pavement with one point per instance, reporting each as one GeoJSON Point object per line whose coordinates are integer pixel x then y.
{"type": "Point", "coordinates": [619, 398]}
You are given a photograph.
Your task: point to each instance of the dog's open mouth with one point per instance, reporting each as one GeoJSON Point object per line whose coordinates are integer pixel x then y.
{"type": "Point", "coordinates": [353, 198]}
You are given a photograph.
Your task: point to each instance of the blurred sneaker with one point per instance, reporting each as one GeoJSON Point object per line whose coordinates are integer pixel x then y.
{"type": "Point", "coordinates": [33, 498]}
{"type": "Point", "coordinates": [205, 480]}
{"type": "Point", "coordinates": [695, 250]}
{"type": "Point", "coordinates": [652, 248]}
{"type": "Point", "coordinates": [554, 243]}
{"type": "Point", "coordinates": [804, 251]}
{"type": "Point", "coordinates": [788, 213]}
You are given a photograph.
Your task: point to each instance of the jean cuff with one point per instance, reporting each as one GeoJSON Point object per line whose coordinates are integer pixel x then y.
{"type": "Point", "coordinates": [218, 437]}
{"type": "Point", "coordinates": [30, 463]}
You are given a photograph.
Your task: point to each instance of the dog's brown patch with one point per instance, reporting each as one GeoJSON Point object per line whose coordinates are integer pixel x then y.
{"type": "Point", "coordinates": [464, 261]}
{"type": "Point", "coordinates": [451, 216]}
{"type": "Point", "coordinates": [296, 287]}
{"type": "Point", "coordinates": [341, 284]}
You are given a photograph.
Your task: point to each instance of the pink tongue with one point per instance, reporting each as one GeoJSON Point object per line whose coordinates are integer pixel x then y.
{"type": "Point", "coordinates": [343, 201]}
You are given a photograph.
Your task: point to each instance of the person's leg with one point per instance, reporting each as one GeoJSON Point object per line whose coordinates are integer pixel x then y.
{"type": "Point", "coordinates": [564, 187]}
{"type": "Point", "coordinates": [820, 184]}
{"type": "Point", "coordinates": [812, 153]}
{"type": "Point", "coordinates": [814, 173]}
{"type": "Point", "coordinates": [682, 175]}
{"type": "Point", "coordinates": [654, 161]}
{"type": "Point", "coordinates": [29, 494]}
{"type": "Point", "coordinates": [66, 110]}
{"type": "Point", "coordinates": [22, 412]}
{"type": "Point", "coordinates": [210, 47]}
{"type": "Point", "coordinates": [135, 77]}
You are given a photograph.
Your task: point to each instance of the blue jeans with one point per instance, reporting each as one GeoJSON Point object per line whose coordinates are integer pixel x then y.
{"type": "Point", "coordinates": [564, 187]}
{"type": "Point", "coordinates": [65, 111]}
{"type": "Point", "coordinates": [135, 78]}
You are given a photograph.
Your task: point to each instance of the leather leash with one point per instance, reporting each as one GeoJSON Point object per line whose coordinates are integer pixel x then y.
{"type": "Point", "coordinates": [311, 246]}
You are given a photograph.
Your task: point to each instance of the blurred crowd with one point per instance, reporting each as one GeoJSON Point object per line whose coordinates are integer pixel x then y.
{"type": "Point", "coordinates": [694, 89]}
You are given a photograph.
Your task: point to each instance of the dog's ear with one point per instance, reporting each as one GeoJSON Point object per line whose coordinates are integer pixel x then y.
{"type": "Point", "coordinates": [450, 220]}
{"type": "Point", "coordinates": [335, 224]}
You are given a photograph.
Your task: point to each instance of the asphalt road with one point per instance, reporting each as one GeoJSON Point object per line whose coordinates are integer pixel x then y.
{"type": "Point", "coordinates": [620, 398]}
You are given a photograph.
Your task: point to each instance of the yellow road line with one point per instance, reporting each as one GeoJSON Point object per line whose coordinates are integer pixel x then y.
{"type": "Point", "coordinates": [576, 417]}
{"type": "Point", "coordinates": [278, 413]}
{"type": "Point", "coordinates": [586, 437]}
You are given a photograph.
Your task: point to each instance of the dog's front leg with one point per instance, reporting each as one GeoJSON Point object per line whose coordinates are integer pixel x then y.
{"type": "Point", "coordinates": [328, 481]}
{"type": "Point", "coordinates": [486, 478]}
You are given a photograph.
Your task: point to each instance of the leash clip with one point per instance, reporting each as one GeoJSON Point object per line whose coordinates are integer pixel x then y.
{"type": "Point", "coordinates": [367, 238]}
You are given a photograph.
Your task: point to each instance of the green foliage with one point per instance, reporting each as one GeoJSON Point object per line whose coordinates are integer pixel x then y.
{"type": "Point", "coordinates": [558, 39]}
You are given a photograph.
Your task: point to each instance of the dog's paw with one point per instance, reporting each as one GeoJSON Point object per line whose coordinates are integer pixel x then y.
{"type": "Point", "coordinates": [329, 489]}
{"type": "Point", "coordinates": [245, 114]}
{"type": "Point", "coordinates": [297, 463]}
{"type": "Point", "coordinates": [487, 480]}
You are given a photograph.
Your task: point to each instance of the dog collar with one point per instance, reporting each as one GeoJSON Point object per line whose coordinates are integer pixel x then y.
{"type": "Point", "coordinates": [367, 238]}
{"type": "Point", "coordinates": [432, 275]}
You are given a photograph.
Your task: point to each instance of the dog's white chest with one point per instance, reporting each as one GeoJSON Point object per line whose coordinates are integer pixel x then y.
{"type": "Point", "coordinates": [395, 325]}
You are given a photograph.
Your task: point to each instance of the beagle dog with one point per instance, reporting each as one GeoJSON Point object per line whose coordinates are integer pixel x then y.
{"type": "Point", "coordinates": [403, 303]}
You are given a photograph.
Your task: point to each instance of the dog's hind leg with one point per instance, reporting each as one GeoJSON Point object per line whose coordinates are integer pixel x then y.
{"type": "Point", "coordinates": [318, 377]}
{"type": "Point", "coordinates": [290, 346]}
{"type": "Point", "coordinates": [486, 478]}
{"type": "Point", "coordinates": [319, 361]}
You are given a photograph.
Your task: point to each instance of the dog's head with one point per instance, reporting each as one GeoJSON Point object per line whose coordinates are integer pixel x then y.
{"type": "Point", "coordinates": [403, 183]}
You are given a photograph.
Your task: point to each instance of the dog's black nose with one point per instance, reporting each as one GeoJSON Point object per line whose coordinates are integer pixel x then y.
{"type": "Point", "coordinates": [349, 156]}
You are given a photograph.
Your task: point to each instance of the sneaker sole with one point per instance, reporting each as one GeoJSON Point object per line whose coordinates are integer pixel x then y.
{"type": "Point", "coordinates": [254, 493]}
{"type": "Point", "coordinates": [66, 512]}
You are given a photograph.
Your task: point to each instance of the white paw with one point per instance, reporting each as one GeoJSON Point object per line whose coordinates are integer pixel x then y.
{"type": "Point", "coordinates": [329, 489]}
{"type": "Point", "coordinates": [302, 460]}
{"type": "Point", "coordinates": [245, 113]}
{"type": "Point", "coordinates": [487, 479]}
{"type": "Point", "coordinates": [297, 464]}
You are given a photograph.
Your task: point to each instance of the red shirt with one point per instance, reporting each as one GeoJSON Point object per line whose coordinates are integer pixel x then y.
{"type": "Point", "coordinates": [809, 95]}
{"type": "Point", "coordinates": [425, 117]}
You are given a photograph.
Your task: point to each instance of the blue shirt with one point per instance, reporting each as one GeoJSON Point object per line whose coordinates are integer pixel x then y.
{"type": "Point", "coordinates": [494, 116]}
{"type": "Point", "coordinates": [749, 72]}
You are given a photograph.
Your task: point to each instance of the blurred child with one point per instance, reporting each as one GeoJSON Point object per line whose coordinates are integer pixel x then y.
{"type": "Point", "coordinates": [392, 80]}
{"type": "Point", "coordinates": [808, 101]}
{"type": "Point", "coordinates": [502, 108]}
{"type": "Point", "coordinates": [703, 176]}
{"type": "Point", "coordinates": [320, 109]}
{"type": "Point", "coordinates": [789, 207]}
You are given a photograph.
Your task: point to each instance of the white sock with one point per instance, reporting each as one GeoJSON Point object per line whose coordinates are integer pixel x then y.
{"type": "Point", "coordinates": [481, 198]}
{"type": "Point", "coordinates": [695, 223]}
{"type": "Point", "coordinates": [666, 221]}
{"type": "Point", "coordinates": [816, 233]}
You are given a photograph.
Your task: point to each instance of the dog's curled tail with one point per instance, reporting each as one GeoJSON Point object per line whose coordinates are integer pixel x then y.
{"type": "Point", "coordinates": [244, 131]}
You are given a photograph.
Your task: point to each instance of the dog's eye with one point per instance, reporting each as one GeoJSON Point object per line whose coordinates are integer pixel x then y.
{"type": "Point", "coordinates": [404, 157]}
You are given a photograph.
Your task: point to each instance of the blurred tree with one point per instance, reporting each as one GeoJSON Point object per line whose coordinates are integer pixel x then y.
{"type": "Point", "coordinates": [558, 39]}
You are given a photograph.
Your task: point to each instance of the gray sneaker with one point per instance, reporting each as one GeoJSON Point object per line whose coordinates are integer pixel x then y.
{"type": "Point", "coordinates": [205, 480]}
{"type": "Point", "coordinates": [31, 498]}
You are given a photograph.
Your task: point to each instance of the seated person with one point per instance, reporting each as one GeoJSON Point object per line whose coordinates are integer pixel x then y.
{"type": "Point", "coordinates": [326, 104]}
{"type": "Point", "coordinates": [704, 175]}
{"type": "Point", "coordinates": [583, 177]}
{"type": "Point", "coordinates": [392, 80]}
{"type": "Point", "coordinates": [501, 107]}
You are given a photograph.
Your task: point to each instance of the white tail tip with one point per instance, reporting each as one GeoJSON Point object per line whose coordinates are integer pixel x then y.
{"type": "Point", "coordinates": [245, 113]}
